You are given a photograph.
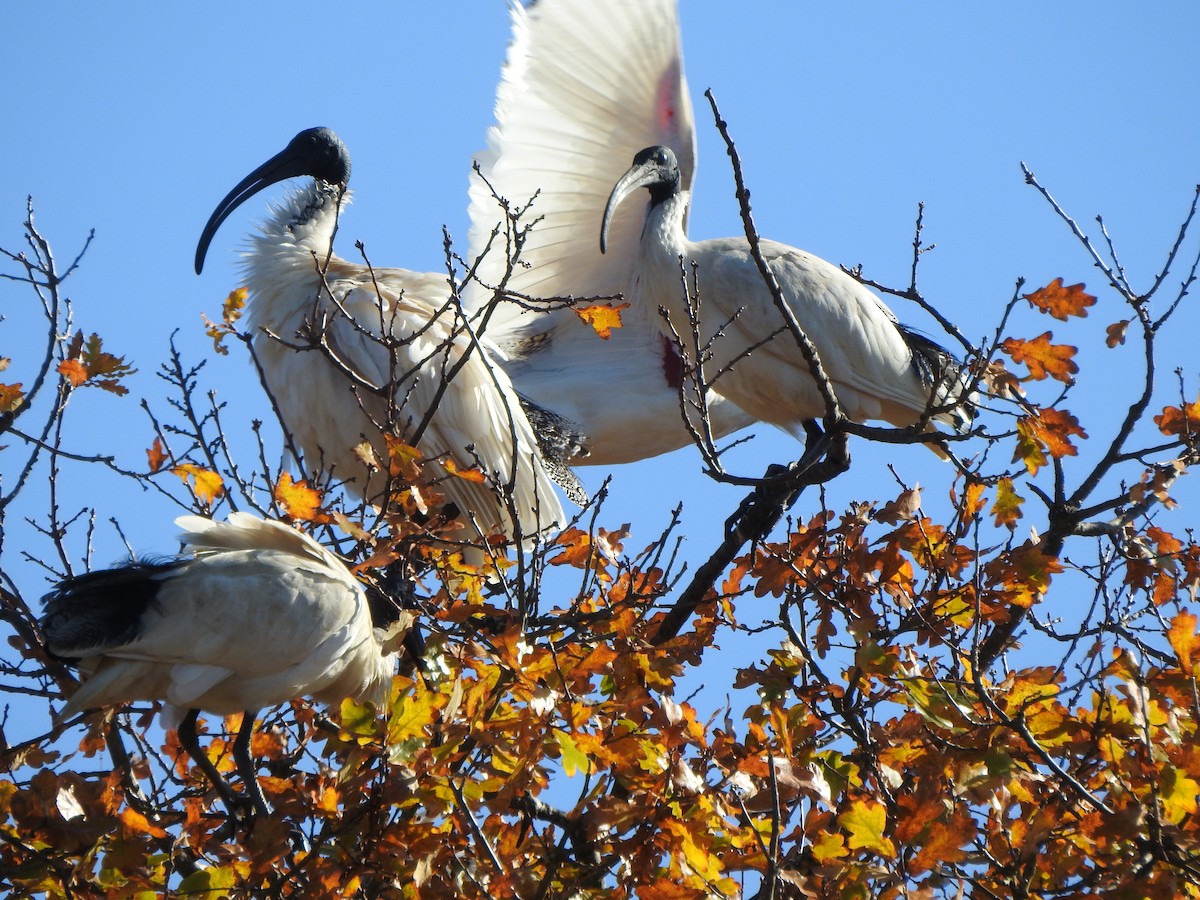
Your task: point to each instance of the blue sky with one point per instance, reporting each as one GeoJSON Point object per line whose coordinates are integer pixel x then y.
{"type": "Point", "coordinates": [136, 121]}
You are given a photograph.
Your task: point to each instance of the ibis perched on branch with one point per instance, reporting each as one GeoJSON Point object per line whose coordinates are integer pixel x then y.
{"type": "Point", "coordinates": [585, 85]}
{"type": "Point", "coordinates": [350, 352]}
{"type": "Point", "coordinates": [259, 615]}
{"type": "Point", "coordinates": [877, 368]}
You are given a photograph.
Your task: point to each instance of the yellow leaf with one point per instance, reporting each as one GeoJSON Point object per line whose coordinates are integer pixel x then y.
{"type": "Point", "coordinates": [573, 760]}
{"type": "Point", "coordinates": [301, 502]}
{"type": "Point", "coordinates": [1178, 794]}
{"type": "Point", "coordinates": [1007, 508]}
{"type": "Point", "coordinates": [866, 821]}
{"type": "Point", "coordinates": [359, 721]}
{"type": "Point", "coordinates": [602, 317]}
{"type": "Point", "coordinates": [704, 863]}
{"type": "Point", "coordinates": [231, 311]}
{"type": "Point", "coordinates": [411, 715]}
{"type": "Point", "coordinates": [829, 845]}
{"type": "Point", "coordinates": [206, 483]}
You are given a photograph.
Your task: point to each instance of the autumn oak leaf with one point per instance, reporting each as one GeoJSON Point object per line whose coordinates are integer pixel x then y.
{"type": "Point", "coordinates": [206, 483]}
{"type": "Point", "coordinates": [1061, 302]}
{"type": "Point", "coordinates": [156, 455]}
{"type": "Point", "coordinates": [1007, 508]}
{"type": "Point", "coordinates": [1048, 431]}
{"type": "Point", "coordinates": [1116, 333]}
{"type": "Point", "coordinates": [866, 821]}
{"type": "Point", "coordinates": [11, 397]}
{"type": "Point", "coordinates": [473, 475]}
{"type": "Point", "coordinates": [1183, 638]}
{"type": "Point", "coordinates": [74, 371]}
{"type": "Point", "coordinates": [1175, 421]}
{"type": "Point", "coordinates": [1043, 358]}
{"type": "Point", "coordinates": [300, 501]}
{"type": "Point", "coordinates": [603, 318]}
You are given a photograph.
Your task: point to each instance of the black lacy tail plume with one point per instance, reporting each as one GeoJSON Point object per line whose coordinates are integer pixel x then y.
{"type": "Point", "coordinates": [559, 440]}
{"type": "Point", "coordinates": [101, 609]}
{"type": "Point", "coordinates": [937, 366]}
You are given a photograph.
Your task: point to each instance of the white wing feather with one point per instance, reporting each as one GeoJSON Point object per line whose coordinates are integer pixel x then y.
{"type": "Point", "coordinates": [586, 85]}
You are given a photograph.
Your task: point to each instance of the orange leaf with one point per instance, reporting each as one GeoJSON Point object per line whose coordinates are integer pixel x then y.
{"type": "Point", "coordinates": [206, 483]}
{"type": "Point", "coordinates": [1183, 638]}
{"type": "Point", "coordinates": [1047, 430]}
{"type": "Point", "coordinates": [11, 397]}
{"type": "Point", "coordinates": [1176, 421]}
{"type": "Point", "coordinates": [133, 822]}
{"type": "Point", "coordinates": [1116, 333]}
{"type": "Point", "coordinates": [156, 455]}
{"type": "Point", "coordinates": [474, 475]}
{"type": "Point", "coordinates": [87, 363]}
{"type": "Point", "coordinates": [1007, 508]}
{"type": "Point", "coordinates": [866, 821]}
{"type": "Point", "coordinates": [1043, 358]}
{"type": "Point", "coordinates": [299, 500]}
{"type": "Point", "coordinates": [602, 317]}
{"type": "Point", "coordinates": [74, 371]}
{"type": "Point", "coordinates": [1061, 302]}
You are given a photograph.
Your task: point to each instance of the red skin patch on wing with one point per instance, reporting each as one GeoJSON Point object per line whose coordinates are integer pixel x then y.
{"type": "Point", "coordinates": [667, 107]}
{"type": "Point", "coordinates": [671, 363]}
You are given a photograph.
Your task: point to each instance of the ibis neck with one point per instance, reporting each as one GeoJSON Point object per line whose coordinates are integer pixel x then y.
{"type": "Point", "coordinates": [280, 267]}
{"type": "Point", "coordinates": [665, 219]}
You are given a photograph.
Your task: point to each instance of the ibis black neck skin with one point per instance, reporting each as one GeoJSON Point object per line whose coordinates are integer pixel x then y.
{"type": "Point", "coordinates": [316, 152]}
{"type": "Point", "coordinates": [655, 169]}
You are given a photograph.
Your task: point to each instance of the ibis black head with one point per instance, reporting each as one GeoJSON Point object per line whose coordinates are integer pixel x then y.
{"type": "Point", "coordinates": [654, 168]}
{"type": "Point", "coordinates": [316, 152]}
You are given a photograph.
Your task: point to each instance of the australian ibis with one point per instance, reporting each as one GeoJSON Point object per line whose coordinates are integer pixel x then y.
{"type": "Point", "coordinates": [258, 615]}
{"type": "Point", "coordinates": [387, 349]}
{"type": "Point", "coordinates": [878, 369]}
{"type": "Point", "coordinates": [585, 86]}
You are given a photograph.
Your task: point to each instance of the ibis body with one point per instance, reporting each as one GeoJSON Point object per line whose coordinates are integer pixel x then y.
{"type": "Point", "coordinates": [349, 352]}
{"type": "Point", "coordinates": [879, 370]}
{"type": "Point", "coordinates": [585, 86]}
{"type": "Point", "coordinates": [259, 615]}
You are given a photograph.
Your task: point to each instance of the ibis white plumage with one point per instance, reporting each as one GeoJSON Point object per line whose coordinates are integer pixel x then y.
{"type": "Point", "coordinates": [878, 369]}
{"type": "Point", "coordinates": [259, 615]}
{"type": "Point", "coordinates": [585, 86]}
{"type": "Point", "coordinates": [392, 350]}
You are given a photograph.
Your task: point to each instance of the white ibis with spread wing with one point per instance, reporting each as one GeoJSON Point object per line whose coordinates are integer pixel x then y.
{"type": "Point", "coordinates": [585, 86]}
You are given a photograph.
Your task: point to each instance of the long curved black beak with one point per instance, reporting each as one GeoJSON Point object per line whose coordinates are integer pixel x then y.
{"type": "Point", "coordinates": [638, 176]}
{"type": "Point", "coordinates": [652, 167]}
{"type": "Point", "coordinates": [315, 151]}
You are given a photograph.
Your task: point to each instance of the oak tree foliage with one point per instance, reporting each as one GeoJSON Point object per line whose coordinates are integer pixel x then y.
{"type": "Point", "coordinates": [984, 686]}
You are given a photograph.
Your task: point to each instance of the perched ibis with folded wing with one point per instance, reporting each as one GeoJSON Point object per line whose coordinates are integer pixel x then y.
{"type": "Point", "coordinates": [878, 369]}
{"type": "Point", "coordinates": [260, 614]}
{"type": "Point", "coordinates": [349, 351]}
